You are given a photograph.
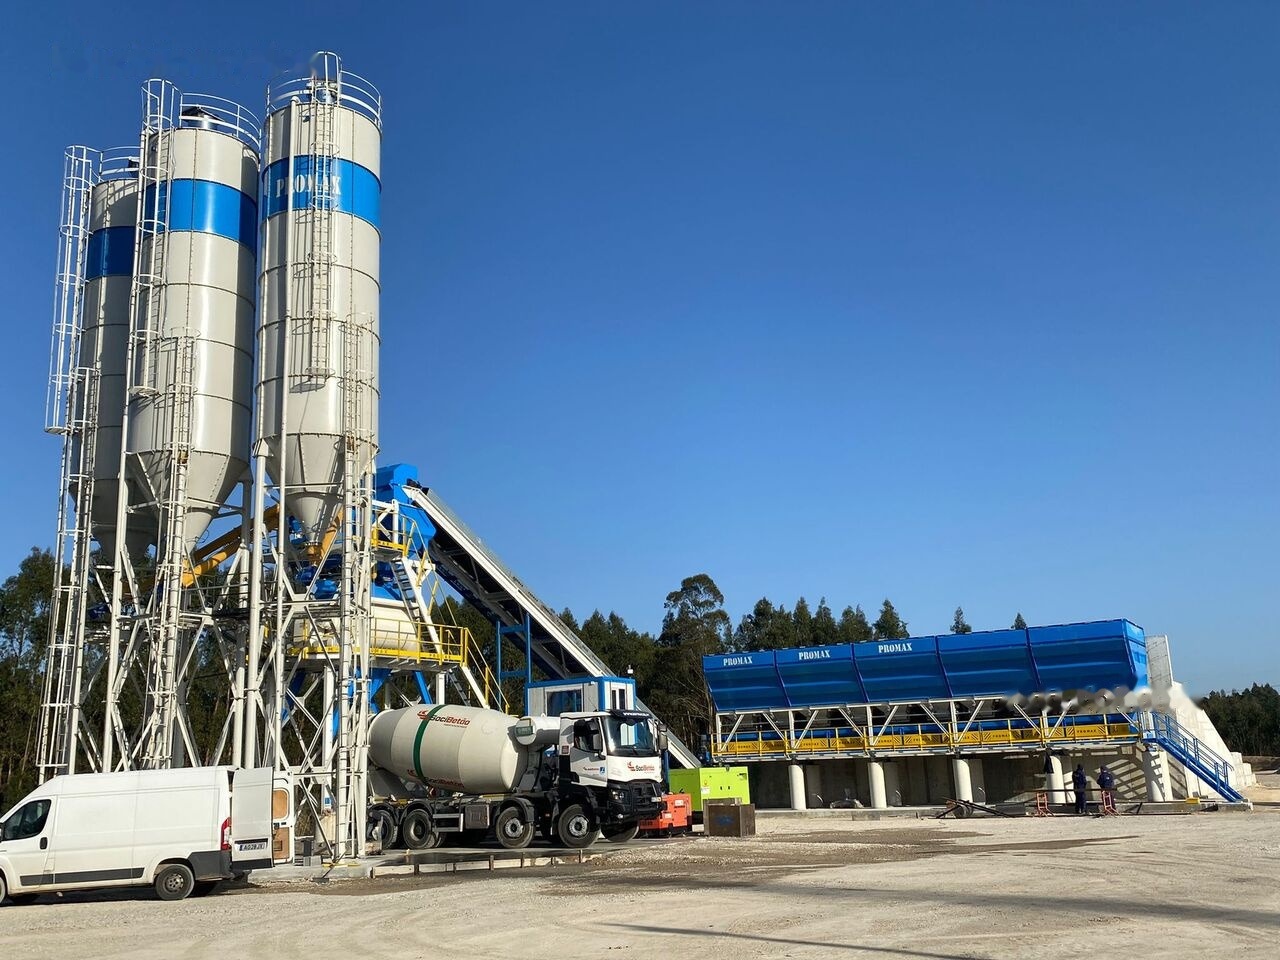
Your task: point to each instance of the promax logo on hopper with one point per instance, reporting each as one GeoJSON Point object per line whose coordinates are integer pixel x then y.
{"type": "Point", "coordinates": [893, 648]}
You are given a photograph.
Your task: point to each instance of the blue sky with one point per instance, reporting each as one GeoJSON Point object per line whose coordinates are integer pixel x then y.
{"type": "Point", "coordinates": [951, 303]}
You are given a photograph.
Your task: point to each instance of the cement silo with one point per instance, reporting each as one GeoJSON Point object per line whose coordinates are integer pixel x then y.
{"type": "Point", "coordinates": [104, 340]}
{"type": "Point", "coordinates": [318, 368]}
{"type": "Point", "coordinates": [194, 320]}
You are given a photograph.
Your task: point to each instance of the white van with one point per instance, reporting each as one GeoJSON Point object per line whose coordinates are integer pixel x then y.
{"type": "Point", "coordinates": [179, 830]}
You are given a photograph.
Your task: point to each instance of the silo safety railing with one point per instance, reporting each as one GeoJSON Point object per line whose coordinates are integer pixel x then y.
{"type": "Point", "coordinates": [220, 115]}
{"type": "Point", "coordinates": [326, 80]}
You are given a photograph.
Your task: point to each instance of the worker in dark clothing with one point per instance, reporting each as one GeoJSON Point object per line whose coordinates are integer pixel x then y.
{"type": "Point", "coordinates": [1079, 783]}
{"type": "Point", "coordinates": [1106, 784]}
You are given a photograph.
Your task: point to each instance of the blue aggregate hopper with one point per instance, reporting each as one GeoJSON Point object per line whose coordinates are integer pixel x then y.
{"type": "Point", "coordinates": [1107, 655]}
{"type": "Point", "coordinates": [744, 681]}
{"type": "Point", "coordinates": [819, 676]}
{"type": "Point", "coordinates": [900, 670]}
{"type": "Point", "coordinates": [977, 664]}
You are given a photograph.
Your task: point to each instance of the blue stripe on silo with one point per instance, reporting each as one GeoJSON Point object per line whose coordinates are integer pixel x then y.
{"type": "Point", "coordinates": [353, 189]}
{"type": "Point", "coordinates": [110, 253]}
{"type": "Point", "coordinates": [205, 206]}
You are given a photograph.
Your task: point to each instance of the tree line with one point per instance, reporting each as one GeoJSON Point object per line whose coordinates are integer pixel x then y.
{"type": "Point", "coordinates": [667, 666]}
{"type": "Point", "coordinates": [1249, 720]}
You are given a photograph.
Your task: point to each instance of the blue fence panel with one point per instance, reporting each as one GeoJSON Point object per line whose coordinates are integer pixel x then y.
{"type": "Point", "coordinates": [819, 676]}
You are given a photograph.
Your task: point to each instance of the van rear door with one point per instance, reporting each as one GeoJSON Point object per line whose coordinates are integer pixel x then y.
{"type": "Point", "coordinates": [251, 819]}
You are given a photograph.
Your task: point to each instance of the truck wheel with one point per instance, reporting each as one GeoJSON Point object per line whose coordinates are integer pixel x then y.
{"type": "Point", "coordinates": [174, 882]}
{"type": "Point", "coordinates": [418, 832]}
{"type": "Point", "coordinates": [575, 827]}
{"type": "Point", "coordinates": [512, 830]}
{"type": "Point", "coordinates": [621, 834]}
{"type": "Point", "coordinates": [382, 828]}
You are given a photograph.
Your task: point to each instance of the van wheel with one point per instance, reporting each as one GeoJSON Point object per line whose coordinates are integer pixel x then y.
{"type": "Point", "coordinates": [575, 828]}
{"type": "Point", "coordinates": [418, 832]}
{"type": "Point", "coordinates": [174, 882]}
{"type": "Point", "coordinates": [204, 887]}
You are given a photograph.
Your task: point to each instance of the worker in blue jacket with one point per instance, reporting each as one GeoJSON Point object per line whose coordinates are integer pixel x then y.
{"type": "Point", "coordinates": [1106, 781]}
{"type": "Point", "coordinates": [1080, 783]}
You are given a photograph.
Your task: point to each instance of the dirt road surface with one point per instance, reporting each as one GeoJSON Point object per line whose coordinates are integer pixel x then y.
{"type": "Point", "coordinates": [1201, 886]}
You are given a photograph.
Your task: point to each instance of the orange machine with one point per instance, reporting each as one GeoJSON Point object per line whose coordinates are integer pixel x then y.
{"type": "Point", "coordinates": [676, 817]}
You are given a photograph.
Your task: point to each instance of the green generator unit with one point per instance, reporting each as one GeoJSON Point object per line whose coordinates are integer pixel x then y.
{"type": "Point", "coordinates": [711, 783]}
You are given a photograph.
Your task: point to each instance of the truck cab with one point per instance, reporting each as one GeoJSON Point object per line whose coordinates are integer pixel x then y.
{"type": "Point", "coordinates": [615, 756]}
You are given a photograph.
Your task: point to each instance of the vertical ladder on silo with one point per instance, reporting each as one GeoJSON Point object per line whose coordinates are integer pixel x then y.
{"type": "Point", "coordinates": [319, 213]}
{"type": "Point", "coordinates": [353, 666]}
{"type": "Point", "coordinates": [71, 412]}
{"type": "Point", "coordinates": [149, 342]}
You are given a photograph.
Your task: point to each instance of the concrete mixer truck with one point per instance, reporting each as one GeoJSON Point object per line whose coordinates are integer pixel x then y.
{"type": "Point", "coordinates": [571, 777]}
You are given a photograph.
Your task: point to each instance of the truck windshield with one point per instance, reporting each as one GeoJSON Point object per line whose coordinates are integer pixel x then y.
{"type": "Point", "coordinates": [633, 739]}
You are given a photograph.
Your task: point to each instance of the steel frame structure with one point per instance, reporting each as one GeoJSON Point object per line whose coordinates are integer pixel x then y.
{"type": "Point", "coordinates": [913, 728]}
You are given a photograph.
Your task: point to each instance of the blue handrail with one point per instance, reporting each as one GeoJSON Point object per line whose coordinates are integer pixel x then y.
{"type": "Point", "coordinates": [1166, 732]}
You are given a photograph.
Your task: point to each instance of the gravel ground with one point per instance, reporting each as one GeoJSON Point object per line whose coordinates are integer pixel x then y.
{"type": "Point", "coordinates": [1199, 886]}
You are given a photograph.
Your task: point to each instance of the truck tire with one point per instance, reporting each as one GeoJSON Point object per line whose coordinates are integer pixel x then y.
{"type": "Point", "coordinates": [575, 828]}
{"type": "Point", "coordinates": [418, 832]}
{"type": "Point", "coordinates": [512, 829]}
{"type": "Point", "coordinates": [621, 834]}
{"type": "Point", "coordinates": [382, 828]}
{"type": "Point", "coordinates": [174, 881]}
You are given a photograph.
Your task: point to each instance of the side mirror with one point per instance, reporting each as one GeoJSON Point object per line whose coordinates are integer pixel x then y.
{"type": "Point", "coordinates": [597, 743]}
{"type": "Point", "coordinates": [662, 741]}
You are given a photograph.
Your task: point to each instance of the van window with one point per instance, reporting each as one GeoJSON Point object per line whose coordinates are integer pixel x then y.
{"type": "Point", "coordinates": [27, 821]}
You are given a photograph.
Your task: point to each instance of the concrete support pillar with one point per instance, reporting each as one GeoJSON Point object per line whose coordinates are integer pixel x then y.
{"type": "Point", "coordinates": [978, 776]}
{"type": "Point", "coordinates": [875, 771]}
{"type": "Point", "coordinates": [813, 785]}
{"type": "Point", "coordinates": [963, 780]}
{"type": "Point", "coordinates": [1157, 774]}
{"type": "Point", "coordinates": [1057, 783]}
{"type": "Point", "coordinates": [796, 774]}
{"type": "Point", "coordinates": [892, 785]}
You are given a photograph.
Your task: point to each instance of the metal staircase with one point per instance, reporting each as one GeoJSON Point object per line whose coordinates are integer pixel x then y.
{"type": "Point", "coordinates": [478, 684]}
{"type": "Point", "coordinates": [464, 562]}
{"type": "Point", "coordinates": [1167, 733]}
